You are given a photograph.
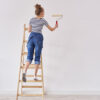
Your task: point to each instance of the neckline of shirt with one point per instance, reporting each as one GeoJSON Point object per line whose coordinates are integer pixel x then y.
{"type": "Point", "coordinates": [37, 18]}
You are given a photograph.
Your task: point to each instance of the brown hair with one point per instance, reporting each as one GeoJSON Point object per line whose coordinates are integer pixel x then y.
{"type": "Point", "coordinates": [38, 9]}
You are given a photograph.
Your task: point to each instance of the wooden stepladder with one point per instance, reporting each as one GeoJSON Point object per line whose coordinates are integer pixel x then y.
{"type": "Point", "coordinates": [38, 84]}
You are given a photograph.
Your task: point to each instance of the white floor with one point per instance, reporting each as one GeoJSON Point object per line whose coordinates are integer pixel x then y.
{"type": "Point", "coordinates": [54, 97]}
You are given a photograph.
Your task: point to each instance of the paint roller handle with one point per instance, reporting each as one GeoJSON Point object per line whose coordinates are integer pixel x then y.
{"type": "Point", "coordinates": [56, 23]}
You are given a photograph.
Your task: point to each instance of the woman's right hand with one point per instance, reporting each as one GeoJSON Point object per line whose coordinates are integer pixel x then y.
{"type": "Point", "coordinates": [53, 28]}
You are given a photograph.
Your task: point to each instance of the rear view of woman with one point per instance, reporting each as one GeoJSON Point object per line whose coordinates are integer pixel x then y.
{"type": "Point", "coordinates": [35, 39]}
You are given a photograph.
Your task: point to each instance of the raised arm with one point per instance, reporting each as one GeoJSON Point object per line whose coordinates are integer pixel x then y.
{"type": "Point", "coordinates": [48, 26]}
{"type": "Point", "coordinates": [52, 28]}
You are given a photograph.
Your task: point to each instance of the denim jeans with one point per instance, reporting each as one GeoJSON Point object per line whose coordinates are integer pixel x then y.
{"type": "Point", "coordinates": [35, 42]}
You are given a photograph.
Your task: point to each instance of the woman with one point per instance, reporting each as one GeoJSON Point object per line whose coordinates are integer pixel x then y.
{"type": "Point", "coordinates": [35, 39]}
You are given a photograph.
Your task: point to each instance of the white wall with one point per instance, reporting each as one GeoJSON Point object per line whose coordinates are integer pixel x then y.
{"type": "Point", "coordinates": [71, 54]}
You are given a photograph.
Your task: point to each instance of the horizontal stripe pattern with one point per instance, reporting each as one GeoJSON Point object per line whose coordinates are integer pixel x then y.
{"type": "Point", "coordinates": [37, 24]}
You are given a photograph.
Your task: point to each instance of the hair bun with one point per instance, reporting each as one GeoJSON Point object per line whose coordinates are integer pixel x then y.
{"type": "Point", "coordinates": [37, 6]}
{"type": "Point", "coordinates": [38, 9]}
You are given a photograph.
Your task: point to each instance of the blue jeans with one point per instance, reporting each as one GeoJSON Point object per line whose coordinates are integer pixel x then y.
{"type": "Point", "coordinates": [35, 41]}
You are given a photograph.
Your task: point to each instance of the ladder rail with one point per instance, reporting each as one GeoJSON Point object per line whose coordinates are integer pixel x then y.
{"type": "Point", "coordinates": [19, 69]}
{"type": "Point", "coordinates": [23, 46]}
{"type": "Point", "coordinates": [42, 76]}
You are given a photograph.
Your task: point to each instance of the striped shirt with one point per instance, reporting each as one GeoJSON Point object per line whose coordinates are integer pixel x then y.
{"type": "Point", "coordinates": [37, 24]}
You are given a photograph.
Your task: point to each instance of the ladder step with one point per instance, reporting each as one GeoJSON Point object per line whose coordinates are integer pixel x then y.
{"type": "Point", "coordinates": [25, 29]}
{"type": "Point", "coordinates": [30, 94]}
{"type": "Point", "coordinates": [31, 86]}
{"type": "Point", "coordinates": [33, 75]}
{"type": "Point", "coordinates": [25, 41]}
{"type": "Point", "coordinates": [30, 67]}
{"type": "Point", "coordinates": [31, 81]}
{"type": "Point", "coordinates": [24, 53]}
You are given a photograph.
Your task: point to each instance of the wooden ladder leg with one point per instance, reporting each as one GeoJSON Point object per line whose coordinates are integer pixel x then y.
{"type": "Point", "coordinates": [21, 62]}
{"type": "Point", "coordinates": [23, 50]}
{"type": "Point", "coordinates": [42, 77]}
{"type": "Point", "coordinates": [18, 85]}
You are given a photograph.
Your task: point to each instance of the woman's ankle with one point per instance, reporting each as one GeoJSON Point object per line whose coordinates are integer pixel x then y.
{"type": "Point", "coordinates": [35, 75]}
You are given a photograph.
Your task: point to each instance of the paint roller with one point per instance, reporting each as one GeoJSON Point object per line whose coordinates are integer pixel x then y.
{"type": "Point", "coordinates": [58, 17]}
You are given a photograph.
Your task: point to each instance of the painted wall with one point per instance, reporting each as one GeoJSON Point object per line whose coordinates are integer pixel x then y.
{"type": "Point", "coordinates": [71, 54]}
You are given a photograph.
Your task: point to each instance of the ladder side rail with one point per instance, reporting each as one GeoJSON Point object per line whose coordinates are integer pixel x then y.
{"type": "Point", "coordinates": [23, 56]}
{"type": "Point", "coordinates": [20, 68]}
{"type": "Point", "coordinates": [42, 76]}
